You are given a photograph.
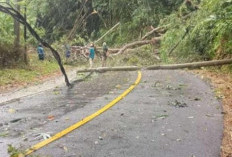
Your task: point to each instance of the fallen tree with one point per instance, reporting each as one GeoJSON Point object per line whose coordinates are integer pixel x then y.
{"type": "Point", "coordinates": [8, 9]}
{"type": "Point", "coordinates": [104, 69]}
{"type": "Point", "coordinates": [83, 50]}
{"type": "Point", "coordinates": [129, 46]}
{"type": "Point", "coordinates": [190, 65]}
{"type": "Point", "coordinates": [158, 30]}
{"type": "Point", "coordinates": [137, 43]}
{"type": "Point", "coordinates": [161, 67]}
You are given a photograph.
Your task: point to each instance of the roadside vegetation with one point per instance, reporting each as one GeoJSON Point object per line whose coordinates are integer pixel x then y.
{"type": "Point", "coordinates": [207, 26]}
{"type": "Point", "coordinates": [22, 75]}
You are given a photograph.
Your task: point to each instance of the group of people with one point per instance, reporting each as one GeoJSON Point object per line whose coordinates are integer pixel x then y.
{"type": "Point", "coordinates": [92, 52]}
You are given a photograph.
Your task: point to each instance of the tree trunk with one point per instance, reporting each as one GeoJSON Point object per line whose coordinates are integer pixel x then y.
{"type": "Point", "coordinates": [77, 23]}
{"type": "Point", "coordinates": [25, 57]}
{"type": "Point", "coordinates": [161, 67]}
{"type": "Point", "coordinates": [17, 28]}
{"type": "Point", "coordinates": [156, 30]}
{"type": "Point", "coordinates": [177, 44]}
{"type": "Point", "coordinates": [104, 69]}
{"type": "Point", "coordinates": [115, 26]}
{"type": "Point", "coordinates": [191, 65]}
{"type": "Point", "coordinates": [137, 43]}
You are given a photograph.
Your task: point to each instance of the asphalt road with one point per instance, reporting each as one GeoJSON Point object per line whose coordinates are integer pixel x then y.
{"type": "Point", "coordinates": [169, 114]}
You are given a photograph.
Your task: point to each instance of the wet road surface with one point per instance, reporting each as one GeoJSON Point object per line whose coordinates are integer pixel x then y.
{"type": "Point", "coordinates": [169, 114]}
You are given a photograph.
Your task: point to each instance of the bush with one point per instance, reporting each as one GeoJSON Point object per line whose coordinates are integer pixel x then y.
{"type": "Point", "coordinates": [9, 56]}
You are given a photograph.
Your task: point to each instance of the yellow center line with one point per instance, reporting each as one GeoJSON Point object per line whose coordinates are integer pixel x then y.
{"type": "Point", "coordinates": [85, 120]}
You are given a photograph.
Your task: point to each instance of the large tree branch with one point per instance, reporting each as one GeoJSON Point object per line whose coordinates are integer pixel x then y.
{"type": "Point", "coordinates": [115, 26]}
{"type": "Point", "coordinates": [16, 15]}
{"type": "Point", "coordinates": [137, 43]}
{"type": "Point", "coordinates": [77, 22]}
{"type": "Point", "coordinates": [158, 30]}
{"type": "Point", "coordinates": [177, 44]}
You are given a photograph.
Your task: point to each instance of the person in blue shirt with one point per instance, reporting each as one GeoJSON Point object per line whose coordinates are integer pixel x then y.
{"type": "Point", "coordinates": [40, 51]}
{"type": "Point", "coordinates": [91, 55]}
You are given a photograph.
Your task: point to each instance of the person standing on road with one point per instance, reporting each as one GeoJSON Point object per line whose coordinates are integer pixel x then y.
{"type": "Point", "coordinates": [104, 55]}
{"type": "Point", "coordinates": [40, 51]}
{"type": "Point", "coordinates": [91, 55]}
{"type": "Point", "coordinates": [67, 52]}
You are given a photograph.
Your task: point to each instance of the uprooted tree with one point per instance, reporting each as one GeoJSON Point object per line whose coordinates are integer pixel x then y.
{"type": "Point", "coordinates": [10, 10]}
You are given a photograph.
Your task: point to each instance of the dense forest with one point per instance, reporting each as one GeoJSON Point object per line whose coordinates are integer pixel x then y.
{"type": "Point", "coordinates": [192, 30]}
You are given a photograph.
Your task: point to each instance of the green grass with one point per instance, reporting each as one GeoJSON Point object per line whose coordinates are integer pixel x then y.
{"type": "Point", "coordinates": [28, 73]}
{"type": "Point", "coordinates": [17, 152]}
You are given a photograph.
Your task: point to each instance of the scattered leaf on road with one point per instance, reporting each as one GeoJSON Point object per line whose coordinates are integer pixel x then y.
{"type": "Point", "coordinates": [169, 87]}
{"type": "Point", "coordinates": [157, 84]}
{"type": "Point", "coordinates": [160, 117]}
{"type": "Point", "coordinates": [15, 120]}
{"type": "Point", "coordinates": [176, 103]}
{"type": "Point", "coordinates": [21, 155]}
{"type": "Point", "coordinates": [56, 92]}
{"type": "Point", "coordinates": [4, 134]}
{"type": "Point", "coordinates": [197, 99]}
{"type": "Point", "coordinates": [208, 115]}
{"type": "Point", "coordinates": [42, 136]}
{"type": "Point", "coordinates": [118, 86]}
{"type": "Point", "coordinates": [51, 117]}
{"type": "Point", "coordinates": [11, 110]}
{"type": "Point", "coordinates": [65, 149]}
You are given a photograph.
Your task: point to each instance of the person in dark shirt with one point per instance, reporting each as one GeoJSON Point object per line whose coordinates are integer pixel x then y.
{"type": "Point", "coordinates": [67, 52]}
{"type": "Point", "coordinates": [104, 55]}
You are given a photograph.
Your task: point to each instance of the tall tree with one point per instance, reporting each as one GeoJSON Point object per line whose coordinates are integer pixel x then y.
{"type": "Point", "coordinates": [25, 57]}
{"type": "Point", "coordinates": [17, 28]}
